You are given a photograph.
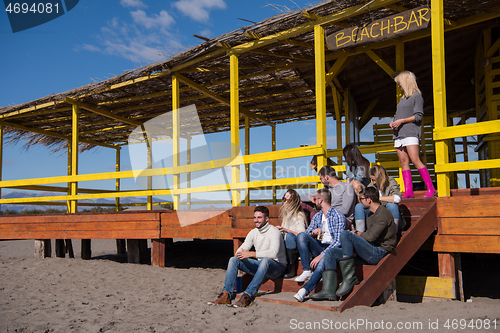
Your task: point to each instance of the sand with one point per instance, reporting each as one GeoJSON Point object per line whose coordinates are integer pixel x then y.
{"type": "Point", "coordinates": [106, 295]}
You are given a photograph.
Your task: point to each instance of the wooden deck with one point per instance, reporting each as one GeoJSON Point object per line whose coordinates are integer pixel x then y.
{"type": "Point", "coordinates": [466, 222]}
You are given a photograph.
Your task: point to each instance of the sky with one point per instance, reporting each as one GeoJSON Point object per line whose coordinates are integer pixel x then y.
{"type": "Point", "coordinates": [99, 39]}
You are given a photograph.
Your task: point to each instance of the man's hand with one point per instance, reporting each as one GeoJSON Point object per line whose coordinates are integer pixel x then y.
{"type": "Point", "coordinates": [315, 261]}
{"type": "Point", "coordinates": [244, 254]}
{"type": "Point", "coordinates": [316, 232]}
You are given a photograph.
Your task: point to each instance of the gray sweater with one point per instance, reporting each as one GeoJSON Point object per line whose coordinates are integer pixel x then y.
{"type": "Point", "coordinates": [407, 107]}
{"type": "Point", "coordinates": [268, 242]}
{"type": "Point", "coordinates": [344, 199]}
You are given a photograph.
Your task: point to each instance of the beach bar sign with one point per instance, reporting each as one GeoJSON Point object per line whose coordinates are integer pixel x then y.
{"type": "Point", "coordinates": [382, 29]}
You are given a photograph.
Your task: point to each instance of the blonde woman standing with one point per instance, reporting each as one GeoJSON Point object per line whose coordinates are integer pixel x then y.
{"type": "Point", "coordinates": [407, 126]}
{"type": "Point", "coordinates": [293, 221]}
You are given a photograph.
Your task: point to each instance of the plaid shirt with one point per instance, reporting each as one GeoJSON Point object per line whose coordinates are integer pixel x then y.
{"type": "Point", "coordinates": [336, 224]}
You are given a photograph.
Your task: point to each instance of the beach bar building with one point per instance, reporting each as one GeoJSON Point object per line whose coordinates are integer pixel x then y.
{"type": "Point", "coordinates": [337, 60]}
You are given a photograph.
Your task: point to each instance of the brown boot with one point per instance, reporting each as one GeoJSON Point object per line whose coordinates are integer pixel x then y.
{"type": "Point", "coordinates": [244, 301]}
{"type": "Point", "coordinates": [224, 298]}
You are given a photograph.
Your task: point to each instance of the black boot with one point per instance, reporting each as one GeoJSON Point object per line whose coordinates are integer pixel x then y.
{"type": "Point", "coordinates": [291, 268]}
{"type": "Point", "coordinates": [349, 280]}
{"type": "Point", "coordinates": [329, 287]}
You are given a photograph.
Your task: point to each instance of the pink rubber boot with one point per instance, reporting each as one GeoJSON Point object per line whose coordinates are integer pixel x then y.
{"type": "Point", "coordinates": [408, 184]}
{"type": "Point", "coordinates": [428, 182]}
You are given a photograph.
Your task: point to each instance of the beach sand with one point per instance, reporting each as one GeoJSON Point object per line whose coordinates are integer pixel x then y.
{"type": "Point", "coordinates": [107, 295]}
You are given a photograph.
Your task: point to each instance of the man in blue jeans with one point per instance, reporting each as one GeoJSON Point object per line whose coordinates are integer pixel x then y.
{"type": "Point", "coordinates": [370, 246]}
{"type": "Point", "coordinates": [328, 224]}
{"type": "Point", "coordinates": [270, 262]}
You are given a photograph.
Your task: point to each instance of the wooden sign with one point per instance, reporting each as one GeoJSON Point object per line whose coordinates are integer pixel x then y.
{"type": "Point", "coordinates": [379, 30]}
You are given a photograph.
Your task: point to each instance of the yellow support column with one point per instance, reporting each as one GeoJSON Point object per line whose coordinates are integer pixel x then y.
{"type": "Point", "coordinates": [439, 87]}
{"type": "Point", "coordinates": [338, 120]}
{"type": "Point", "coordinates": [320, 76]}
{"type": "Point", "coordinates": [117, 181]}
{"type": "Point", "coordinates": [188, 174]}
{"type": "Point", "coordinates": [273, 148]}
{"type": "Point", "coordinates": [149, 204]}
{"type": "Point", "coordinates": [74, 156]}
{"type": "Point", "coordinates": [176, 137]}
{"type": "Point", "coordinates": [247, 152]}
{"type": "Point", "coordinates": [235, 124]}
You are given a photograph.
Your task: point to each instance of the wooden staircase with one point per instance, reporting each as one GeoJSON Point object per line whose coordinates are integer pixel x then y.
{"type": "Point", "coordinates": [420, 215]}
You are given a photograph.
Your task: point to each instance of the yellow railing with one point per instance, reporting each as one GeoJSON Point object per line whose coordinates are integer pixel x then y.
{"type": "Point", "coordinates": [302, 182]}
{"type": "Point", "coordinates": [459, 131]}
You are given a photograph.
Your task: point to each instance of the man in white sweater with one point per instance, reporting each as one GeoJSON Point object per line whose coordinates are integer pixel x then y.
{"type": "Point", "coordinates": [270, 262]}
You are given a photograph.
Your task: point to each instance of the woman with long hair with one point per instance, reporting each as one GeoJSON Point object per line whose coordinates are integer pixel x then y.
{"type": "Point", "coordinates": [293, 221]}
{"type": "Point", "coordinates": [407, 126]}
{"type": "Point", "coordinates": [390, 196]}
{"type": "Point", "coordinates": [357, 167]}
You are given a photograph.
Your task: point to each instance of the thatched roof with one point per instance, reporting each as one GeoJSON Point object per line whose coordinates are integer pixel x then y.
{"type": "Point", "coordinates": [276, 80]}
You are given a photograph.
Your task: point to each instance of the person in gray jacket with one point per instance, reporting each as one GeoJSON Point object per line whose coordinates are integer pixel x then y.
{"type": "Point", "coordinates": [407, 126]}
{"type": "Point", "coordinates": [343, 195]}
{"type": "Point", "coordinates": [390, 197]}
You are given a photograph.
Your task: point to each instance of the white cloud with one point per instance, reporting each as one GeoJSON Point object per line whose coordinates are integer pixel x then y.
{"type": "Point", "coordinates": [198, 10]}
{"type": "Point", "coordinates": [133, 3]}
{"type": "Point", "coordinates": [162, 21]}
{"type": "Point", "coordinates": [133, 41]}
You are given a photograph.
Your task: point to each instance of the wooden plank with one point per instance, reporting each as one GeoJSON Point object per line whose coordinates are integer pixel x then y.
{"type": "Point", "coordinates": [43, 248]}
{"type": "Point", "coordinates": [476, 191]}
{"type": "Point", "coordinates": [198, 231]}
{"type": "Point", "coordinates": [469, 226]}
{"type": "Point", "coordinates": [473, 206]}
{"type": "Point", "coordinates": [467, 244]}
{"type": "Point", "coordinates": [86, 249]}
{"type": "Point", "coordinates": [159, 250]}
{"type": "Point", "coordinates": [370, 288]}
{"type": "Point", "coordinates": [74, 226]}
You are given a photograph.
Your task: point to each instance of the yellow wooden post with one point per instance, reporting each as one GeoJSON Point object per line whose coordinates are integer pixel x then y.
{"type": "Point", "coordinates": [188, 174]}
{"type": "Point", "coordinates": [117, 181]}
{"type": "Point", "coordinates": [247, 152]}
{"type": "Point", "coordinates": [149, 204]}
{"type": "Point", "coordinates": [320, 76]}
{"type": "Point", "coordinates": [176, 137]}
{"type": "Point", "coordinates": [273, 148]}
{"type": "Point", "coordinates": [439, 88]}
{"type": "Point", "coordinates": [235, 124]}
{"type": "Point", "coordinates": [338, 120]}
{"type": "Point", "coordinates": [74, 155]}
{"type": "Point", "coordinates": [400, 66]}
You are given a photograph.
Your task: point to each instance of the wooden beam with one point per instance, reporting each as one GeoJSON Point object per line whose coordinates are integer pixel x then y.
{"type": "Point", "coordinates": [103, 112]}
{"type": "Point", "coordinates": [381, 63]}
{"type": "Point", "coordinates": [367, 112]}
{"type": "Point", "coordinates": [207, 92]}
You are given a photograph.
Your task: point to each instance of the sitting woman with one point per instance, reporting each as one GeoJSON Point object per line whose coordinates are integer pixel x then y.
{"type": "Point", "coordinates": [293, 221]}
{"type": "Point", "coordinates": [390, 196]}
{"type": "Point", "coordinates": [357, 167]}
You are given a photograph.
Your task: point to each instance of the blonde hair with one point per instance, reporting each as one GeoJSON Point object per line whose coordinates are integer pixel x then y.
{"type": "Point", "coordinates": [408, 83]}
{"type": "Point", "coordinates": [291, 208]}
{"type": "Point", "coordinates": [381, 176]}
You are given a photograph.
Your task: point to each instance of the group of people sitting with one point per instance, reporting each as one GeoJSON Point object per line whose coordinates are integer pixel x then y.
{"type": "Point", "coordinates": [329, 239]}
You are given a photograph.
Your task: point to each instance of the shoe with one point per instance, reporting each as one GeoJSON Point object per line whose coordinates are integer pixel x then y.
{"type": "Point", "coordinates": [223, 298]}
{"type": "Point", "coordinates": [428, 182]}
{"type": "Point", "coordinates": [300, 295]}
{"type": "Point", "coordinates": [349, 280]}
{"type": "Point", "coordinates": [291, 269]}
{"type": "Point", "coordinates": [408, 184]}
{"type": "Point", "coordinates": [244, 301]}
{"type": "Point", "coordinates": [304, 276]}
{"type": "Point", "coordinates": [329, 287]}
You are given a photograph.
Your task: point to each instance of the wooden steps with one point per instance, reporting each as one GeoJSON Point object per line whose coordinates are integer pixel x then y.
{"type": "Point", "coordinates": [374, 279]}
